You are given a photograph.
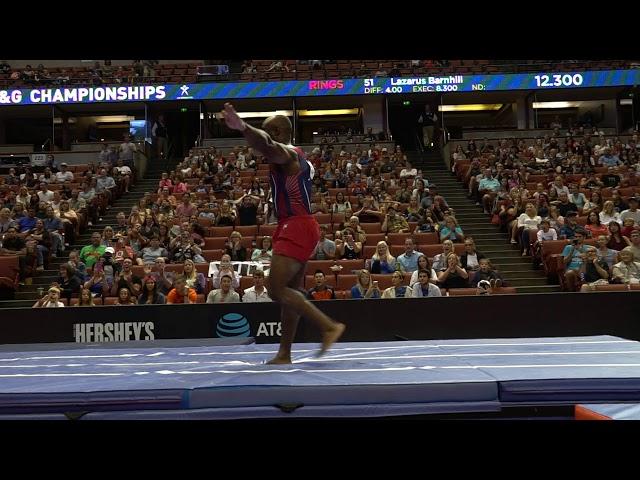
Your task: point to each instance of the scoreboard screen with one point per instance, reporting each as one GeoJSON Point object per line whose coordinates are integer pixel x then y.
{"type": "Point", "coordinates": [309, 88]}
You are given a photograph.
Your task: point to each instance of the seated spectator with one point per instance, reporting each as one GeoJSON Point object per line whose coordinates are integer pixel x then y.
{"type": "Point", "coordinates": [608, 214]}
{"type": "Point", "coordinates": [234, 248]}
{"type": "Point", "coordinates": [124, 173]}
{"type": "Point", "coordinates": [470, 258]}
{"type": "Point", "coordinates": [382, 261]}
{"type": "Point", "coordinates": [28, 74]}
{"type": "Point", "coordinates": [616, 240]}
{"type": "Point", "coordinates": [453, 276]}
{"type": "Point", "coordinates": [423, 264]}
{"type": "Point", "coordinates": [248, 208]}
{"type": "Point", "coordinates": [408, 261]}
{"type": "Point", "coordinates": [488, 273]}
{"type": "Point", "coordinates": [627, 271]}
{"type": "Point", "coordinates": [594, 271]}
{"type": "Point", "coordinates": [325, 248]}
{"type": "Point", "coordinates": [634, 245]}
{"type": "Point", "coordinates": [529, 220]}
{"type": "Point", "coordinates": [53, 225]}
{"type": "Point", "coordinates": [348, 248]}
{"type": "Point", "coordinates": [150, 293]}
{"type": "Point", "coordinates": [365, 288]}
{"type": "Point", "coordinates": [571, 227]}
{"type": "Point", "coordinates": [394, 223]}
{"type": "Point", "coordinates": [85, 299]}
{"type": "Point", "coordinates": [50, 300]}
{"type": "Point", "coordinates": [79, 267]}
{"type": "Point", "coordinates": [440, 260]}
{"type": "Point", "coordinates": [451, 230]}
{"type": "Point", "coordinates": [224, 294]}
{"type": "Point", "coordinates": [341, 204]}
{"type": "Point", "coordinates": [258, 293]}
{"type": "Point", "coordinates": [180, 293]}
{"type": "Point", "coordinates": [194, 279]}
{"type": "Point", "coordinates": [225, 268]}
{"type": "Point", "coordinates": [99, 284]}
{"type": "Point", "coordinates": [576, 197]}
{"type": "Point", "coordinates": [184, 248]}
{"type": "Point", "coordinates": [605, 253]}
{"type": "Point", "coordinates": [153, 251]}
{"type": "Point", "coordinates": [397, 290]}
{"type": "Point", "coordinates": [321, 291]}
{"type": "Point", "coordinates": [632, 212]}
{"type": "Point", "coordinates": [423, 287]}
{"type": "Point", "coordinates": [227, 217]}
{"type": "Point", "coordinates": [354, 224]}
{"type": "Point", "coordinates": [125, 297]}
{"type": "Point", "coordinates": [594, 227]}
{"type": "Point", "coordinates": [573, 256]}
{"type": "Point", "coordinates": [121, 248]}
{"type": "Point", "coordinates": [64, 175]}
{"type": "Point", "coordinates": [628, 227]}
{"type": "Point", "coordinates": [5, 67]}
{"type": "Point", "coordinates": [264, 252]}
{"type": "Point", "coordinates": [126, 279]}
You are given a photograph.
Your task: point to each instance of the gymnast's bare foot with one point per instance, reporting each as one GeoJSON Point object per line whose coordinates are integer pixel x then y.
{"type": "Point", "coordinates": [279, 360]}
{"type": "Point", "coordinates": [330, 337]}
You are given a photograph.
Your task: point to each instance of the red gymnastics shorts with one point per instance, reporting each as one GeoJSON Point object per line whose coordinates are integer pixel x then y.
{"type": "Point", "coordinates": [296, 237]}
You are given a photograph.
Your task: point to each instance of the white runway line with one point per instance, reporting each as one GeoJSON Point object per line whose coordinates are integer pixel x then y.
{"type": "Point", "coordinates": [329, 359]}
{"type": "Point", "coordinates": [360, 370]}
{"type": "Point", "coordinates": [403, 346]}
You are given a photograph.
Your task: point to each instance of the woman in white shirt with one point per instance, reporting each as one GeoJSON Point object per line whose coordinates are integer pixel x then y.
{"type": "Point", "coordinates": [423, 264]}
{"type": "Point", "coordinates": [529, 220]}
{"type": "Point", "coordinates": [50, 300]}
{"type": "Point", "coordinates": [608, 214]}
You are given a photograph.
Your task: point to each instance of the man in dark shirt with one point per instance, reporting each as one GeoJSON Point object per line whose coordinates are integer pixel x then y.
{"type": "Point", "coordinates": [126, 279]}
{"type": "Point", "coordinates": [593, 272]}
{"type": "Point", "coordinates": [12, 244]}
{"type": "Point", "coordinates": [565, 206]}
{"type": "Point", "coordinates": [248, 210]}
{"type": "Point", "coordinates": [570, 228]}
{"type": "Point", "coordinates": [321, 291]}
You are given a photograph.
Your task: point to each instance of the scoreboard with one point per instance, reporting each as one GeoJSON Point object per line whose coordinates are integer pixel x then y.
{"type": "Point", "coordinates": [307, 88]}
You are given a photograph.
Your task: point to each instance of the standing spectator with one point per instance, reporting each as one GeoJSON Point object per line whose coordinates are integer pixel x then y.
{"type": "Point", "coordinates": [426, 122]}
{"type": "Point", "coordinates": [127, 150]}
{"type": "Point", "coordinates": [159, 133]}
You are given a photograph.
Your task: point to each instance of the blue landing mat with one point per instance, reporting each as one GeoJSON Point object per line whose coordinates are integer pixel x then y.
{"type": "Point", "coordinates": [354, 379]}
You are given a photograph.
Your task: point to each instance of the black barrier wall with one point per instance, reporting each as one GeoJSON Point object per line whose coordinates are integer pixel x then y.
{"type": "Point", "coordinates": [504, 316]}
